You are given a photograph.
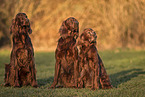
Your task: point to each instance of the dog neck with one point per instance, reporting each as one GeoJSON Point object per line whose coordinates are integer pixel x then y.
{"type": "Point", "coordinates": [66, 43]}
{"type": "Point", "coordinates": [19, 40]}
{"type": "Point", "coordinates": [86, 47]}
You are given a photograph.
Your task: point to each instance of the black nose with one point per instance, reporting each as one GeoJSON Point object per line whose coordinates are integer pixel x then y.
{"type": "Point", "coordinates": [30, 31]}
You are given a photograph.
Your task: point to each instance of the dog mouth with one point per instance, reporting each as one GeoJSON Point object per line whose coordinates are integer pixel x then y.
{"type": "Point", "coordinates": [25, 26]}
{"type": "Point", "coordinates": [25, 21]}
{"type": "Point", "coordinates": [93, 42]}
{"type": "Point", "coordinates": [70, 34]}
{"type": "Point", "coordinates": [74, 34]}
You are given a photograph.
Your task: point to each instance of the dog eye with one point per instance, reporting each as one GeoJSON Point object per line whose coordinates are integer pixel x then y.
{"type": "Point", "coordinates": [75, 30]}
{"type": "Point", "coordinates": [25, 26]}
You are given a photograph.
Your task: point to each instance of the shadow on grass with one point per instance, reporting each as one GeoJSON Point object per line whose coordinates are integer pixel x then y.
{"type": "Point", "coordinates": [116, 78]}
{"type": "Point", "coordinates": [125, 76]}
{"type": "Point", "coordinates": [44, 81]}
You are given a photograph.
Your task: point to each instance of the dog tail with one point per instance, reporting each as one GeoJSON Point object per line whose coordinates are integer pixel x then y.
{"type": "Point", "coordinates": [104, 78]}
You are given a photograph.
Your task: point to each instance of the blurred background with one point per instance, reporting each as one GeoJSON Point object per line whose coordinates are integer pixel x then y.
{"type": "Point", "coordinates": [118, 23]}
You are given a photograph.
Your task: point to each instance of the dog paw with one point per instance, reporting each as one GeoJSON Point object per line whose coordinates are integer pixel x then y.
{"type": "Point", "coordinates": [34, 84]}
{"type": "Point", "coordinates": [80, 86]}
{"type": "Point", "coordinates": [6, 84]}
{"type": "Point", "coordinates": [59, 86]}
{"type": "Point", "coordinates": [93, 88]}
{"type": "Point", "coordinates": [52, 86]}
{"type": "Point", "coordinates": [16, 84]}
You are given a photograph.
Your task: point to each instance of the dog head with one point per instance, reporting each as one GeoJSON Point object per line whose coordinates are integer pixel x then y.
{"type": "Point", "coordinates": [70, 27]}
{"type": "Point", "coordinates": [88, 37]}
{"type": "Point", "coordinates": [20, 24]}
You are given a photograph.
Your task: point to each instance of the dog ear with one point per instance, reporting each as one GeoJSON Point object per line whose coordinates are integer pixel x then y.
{"type": "Point", "coordinates": [29, 29]}
{"type": "Point", "coordinates": [85, 36]}
{"type": "Point", "coordinates": [81, 36]}
{"type": "Point", "coordinates": [63, 29]}
{"type": "Point", "coordinates": [75, 29]}
{"type": "Point", "coordinates": [14, 26]}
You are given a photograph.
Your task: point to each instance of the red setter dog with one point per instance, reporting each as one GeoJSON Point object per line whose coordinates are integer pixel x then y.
{"type": "Point", "coordinates": [66, 54]}
{"type": "Point", "coordinates": [21, 70]}
{"type": "Point", "coordinates": [92, 71]}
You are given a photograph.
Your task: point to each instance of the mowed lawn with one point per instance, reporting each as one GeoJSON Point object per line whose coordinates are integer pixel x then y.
{"type": "Point", "coordinates": [126, 69]}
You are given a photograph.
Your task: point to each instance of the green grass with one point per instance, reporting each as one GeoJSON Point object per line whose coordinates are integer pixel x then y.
{"type": "Point", "coordinates": [126, 70]}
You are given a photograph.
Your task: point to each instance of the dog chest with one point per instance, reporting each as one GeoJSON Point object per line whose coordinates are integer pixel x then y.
{"type": "Point", "coordinates": [22, 57]}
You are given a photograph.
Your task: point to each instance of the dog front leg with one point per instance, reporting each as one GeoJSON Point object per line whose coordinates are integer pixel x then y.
{"type": "Point", "coordinates": [76, 66]}
{"type": "Point", "coordinates": [16, 74]}
{"type": "Point", "coordinates": [33, 74]}
{"type": "Point", "coordinates": [97, 77]}
{"type": "Point", "coordinates": [32, 79]}
{"type": "Point", "coordinates": [93, 80]}
{"type": "Point", "coordinates": [76, 69]}
{"type": "Point", "coordinates": [80, 79]}
{"type": "Point", "coordinates": [57, 72]}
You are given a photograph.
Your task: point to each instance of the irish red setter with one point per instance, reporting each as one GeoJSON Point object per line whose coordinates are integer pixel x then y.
{"type": "Point", "coordinates": [21, 70]}
{"type": "Point", "coordinates": [92, 70]}
{"type": "Point", "coordinates": [66, 55]}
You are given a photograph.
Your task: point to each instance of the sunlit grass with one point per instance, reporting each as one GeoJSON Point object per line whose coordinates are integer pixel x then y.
{"type": "Point", "coordinates": [126, 70]}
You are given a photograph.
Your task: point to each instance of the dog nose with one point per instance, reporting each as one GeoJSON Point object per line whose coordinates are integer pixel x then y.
{"type": "Point", "coordinates": [30, 31]}
{"type": "Point", "coordinates": [75, 35]}
{"type": "Point", "coordinates": [69, 32]}
{"type": "Point", "coordinates": [27, 20]}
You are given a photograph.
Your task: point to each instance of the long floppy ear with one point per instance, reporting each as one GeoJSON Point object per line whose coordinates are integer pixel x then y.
{"type": "Point", "coordinates": [14, 26]}
{"type": "Point", "coordinates": [85, 36]}
{"type": "Point", "coordinates": [63, 29]}
{"type": "Point", "coordinates": [81, 36]}
{"type": "Point", "coordinates": [29, 29]}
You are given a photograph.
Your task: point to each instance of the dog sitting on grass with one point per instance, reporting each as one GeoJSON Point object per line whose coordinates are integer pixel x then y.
{"type": "Point", "coordinates": [21, 70]}
{"type": "Point", "coordinates": [91, 68]}
{"type": "Point", "coordinates": [66, 55]}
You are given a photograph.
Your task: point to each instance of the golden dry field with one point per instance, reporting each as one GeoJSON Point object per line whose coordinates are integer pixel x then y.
{"type": "Point", "coordinates": [118, 23]}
